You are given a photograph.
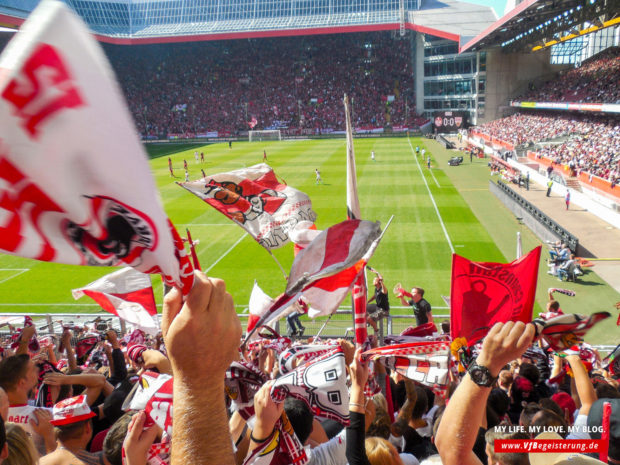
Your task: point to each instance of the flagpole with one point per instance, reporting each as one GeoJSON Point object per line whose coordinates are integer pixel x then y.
{"type": "Point", "coordinates": [192, 249]}
{"type": "Point", "coordinates": [277, 263]}
{"type": "Point", "coordinates": [323, 327]}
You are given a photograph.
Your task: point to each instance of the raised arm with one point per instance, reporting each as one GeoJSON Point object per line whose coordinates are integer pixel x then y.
{"type": "Point", "coordinates": [585, 389]}
{"type": "Point", "coordinates": [95, 383]}
{"type": "Point", "coordinates": [459, 425]}
{"type": "Point", "coordinates": [202, 338]}
{"type": "Point", "coordinates": [356, 431]}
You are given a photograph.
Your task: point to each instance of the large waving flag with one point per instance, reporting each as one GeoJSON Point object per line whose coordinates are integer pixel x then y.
{"type": "Point", "coordinates": [75, 184]}
{"type": "Point", "coordinates": [353, 213]}
{"type": "Point", "coordinates": [255, 200]}
{"type": "Point", "coordinates": [324, 271]}
{"type": "Point", "coordinates": [483, 294]}
{"type": "Point", "coordinates": [321, 383]}
{"type": "Point", "coordinates": [126, 293]}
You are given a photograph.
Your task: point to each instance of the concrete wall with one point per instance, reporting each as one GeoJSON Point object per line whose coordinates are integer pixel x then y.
{"type": "Point", "coordinates": [537, 228]}
{"type": "Point", "coordinates": [508, 76]}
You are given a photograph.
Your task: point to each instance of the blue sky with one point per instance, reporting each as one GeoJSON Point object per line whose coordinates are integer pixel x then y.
{"type": "Point", "coordinates": [497, 5]}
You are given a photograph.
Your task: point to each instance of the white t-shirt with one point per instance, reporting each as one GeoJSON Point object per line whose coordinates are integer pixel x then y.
{"type": "Point", "coordinates": [22, 414]}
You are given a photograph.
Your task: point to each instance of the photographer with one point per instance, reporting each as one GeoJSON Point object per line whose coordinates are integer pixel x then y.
{"type": "Point", "coordinates": [381, 307]}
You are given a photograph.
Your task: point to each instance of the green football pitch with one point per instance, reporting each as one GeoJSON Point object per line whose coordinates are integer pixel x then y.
{"type": "Point", "coordinates": [433, 216]}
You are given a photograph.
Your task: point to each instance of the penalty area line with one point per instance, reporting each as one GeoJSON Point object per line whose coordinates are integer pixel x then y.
{"type": "Point", "coordinates": [225, 253]}
{"type": "Point", "coordinates": [19, 271]}
{"type": "Point", "coordinates": [443, 226]}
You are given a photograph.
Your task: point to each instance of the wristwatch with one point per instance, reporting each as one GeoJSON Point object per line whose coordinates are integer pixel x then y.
{"type": "Point", "coordinates": [481, 375]}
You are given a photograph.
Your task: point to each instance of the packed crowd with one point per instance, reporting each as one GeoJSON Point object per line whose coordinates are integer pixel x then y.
{"type": "Point", "coordinates": [595, 81]}
{"type": "Point", "coordinates": [89, 399]}
{"type": "Point", "coordinates": [294, 82]}
{"type": "Point", "coordinates": [592, 144]}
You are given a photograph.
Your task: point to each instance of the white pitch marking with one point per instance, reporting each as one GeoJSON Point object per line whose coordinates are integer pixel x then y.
{"type": "Point", "coordinates": [443, 226]}
{"type": "Point", "coordinates": [433, 175]}
{"type": "Point", "coordinates": [226, 253]}
{"type": "Point", "coordinates": [21, 271]}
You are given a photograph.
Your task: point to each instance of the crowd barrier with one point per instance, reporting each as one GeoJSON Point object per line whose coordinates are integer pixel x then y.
{"type": "Point", "coordinates": [554, 228]}
{"type": "Point", "coordinates": [339, 326]}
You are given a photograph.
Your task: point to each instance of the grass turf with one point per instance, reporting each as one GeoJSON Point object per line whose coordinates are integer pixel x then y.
{"type": "Point", "coordinates": [415, 250]}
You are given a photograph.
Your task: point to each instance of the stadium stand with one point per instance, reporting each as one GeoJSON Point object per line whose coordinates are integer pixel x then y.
{"type": "Point", "coordinates": [295, 83]}
{"type": "Point", "coordinates": [595, 81]}
{"type": "Point", "coordinates": [587, 143]}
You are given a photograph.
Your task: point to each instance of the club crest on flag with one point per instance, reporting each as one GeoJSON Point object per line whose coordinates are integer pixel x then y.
{"type": "Point", "coordinates": [483, 294]}
{"type": "Point", "coordinates": [75, 183]}
{"type": "Point", "coordinates": [255, 199]}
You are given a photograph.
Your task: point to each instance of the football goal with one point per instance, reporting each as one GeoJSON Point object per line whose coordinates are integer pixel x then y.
{"type": "Point", "coordinates": [272, 134]}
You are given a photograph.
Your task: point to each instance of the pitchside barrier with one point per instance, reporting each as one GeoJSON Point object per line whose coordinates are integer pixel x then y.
{"type": "Point", "coordinates": [340, 324]}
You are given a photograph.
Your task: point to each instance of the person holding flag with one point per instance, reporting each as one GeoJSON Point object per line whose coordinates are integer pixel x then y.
{"type": "Point", "coordinates": [381, 308]}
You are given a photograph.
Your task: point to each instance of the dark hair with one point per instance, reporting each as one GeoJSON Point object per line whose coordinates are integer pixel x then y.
{"type": "Point", "coordinates": [528, 412]}
{"type": "Point", "coordinates": [300, 416]}
{"type": "Point", "coordinates": [421, 404]}
{"type": "Point", "coordinates": [113, 442]}
{"type": "Point", "coordinates": [499, 402]}
{"type": "Point", "coordinates": [546, 418]}
{"type": "Point", "coordinates": [71, 431]}
{"type": "Point", "coordinates": [529, 371]}
{"type": "Point", "coordinates": [12, 370]}
{"type": "Point", "coordinates": [420, 291]}
{"type": "Point", "coordinates": [2, 434]}
{"type": "Point", "coordinates": [606, 391]}
{"type": "Point", "coordinates": [551, 405]}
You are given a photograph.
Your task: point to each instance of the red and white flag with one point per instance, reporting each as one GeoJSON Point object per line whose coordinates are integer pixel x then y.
{"type": "Point", "coordinates": [483, 294]}
{"type": "Point", "coordinates": [564, 331]}
{"type": "Point", "coordinates": [324, 272]}
{"type": "Point", "coordinates": [258, 306]}
{"type": "Point", "coordinates": [75, 184]}
{"type": "Point", "coordinates": [353, 213]}
{"type": "Point", "coordinates": [255, 200]}
{"type": "Point", "coordinates": [253, 122]}
{"type": "Point", "coordinates": [424, 362]}
{"type": "Point", "coordinates": [126, 293]}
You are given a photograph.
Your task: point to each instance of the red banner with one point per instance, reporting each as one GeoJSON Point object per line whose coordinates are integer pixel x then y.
{"type": "Point", "coordinates": [483, 294]}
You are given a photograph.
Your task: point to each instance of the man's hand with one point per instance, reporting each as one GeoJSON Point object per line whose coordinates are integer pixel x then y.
{"type": "Point", "coordinates": [267, 412]}
{"type": "Point", "coordinates": [359, 371]}
{"type": "Point", "coordinates": [349, 350]}
{"type": "Point", "coordinates": [203, 334]}
{"type": "Point", "coordinates": [44, 428]}
{"type": "Point", "coordinates": [138, 440]}
{"type": "Point", "coordinates": [56, 379]}
{"type": "Point", "coordinates": [155, 359]}
{"type": "Point", "coordinates": [505, 342]}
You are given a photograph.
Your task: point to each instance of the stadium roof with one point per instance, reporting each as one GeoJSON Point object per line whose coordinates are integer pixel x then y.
{"type": "Point", "coordinates": [533, 22]}
{"type": "Point", "coordinates": [149, 21]}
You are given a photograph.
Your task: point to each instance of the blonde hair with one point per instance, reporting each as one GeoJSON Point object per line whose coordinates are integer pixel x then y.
{"type": "Point", "coordinates": [21, 447]}
{"type": "Point", "coordinates": [381, 452]}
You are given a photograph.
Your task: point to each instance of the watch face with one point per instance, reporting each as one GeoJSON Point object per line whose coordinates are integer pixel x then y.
{"type": "Point", "coordinates": [480, 375]}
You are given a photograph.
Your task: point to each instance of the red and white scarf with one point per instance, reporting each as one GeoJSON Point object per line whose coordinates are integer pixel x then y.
{"type": "Point", "coordinates": [424, 362]}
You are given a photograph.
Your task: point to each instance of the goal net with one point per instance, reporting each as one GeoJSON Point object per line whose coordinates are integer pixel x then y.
{"type": "Point", "coordinates": [272, 134]}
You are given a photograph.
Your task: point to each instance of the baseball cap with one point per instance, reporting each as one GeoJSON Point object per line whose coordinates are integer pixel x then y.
{"type": "Point", "coordinates": [71, 410]}
{"type": "Point", "coordinates": [560, 458]}
{"type": "Point", "coordinates": [595, 418]}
